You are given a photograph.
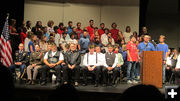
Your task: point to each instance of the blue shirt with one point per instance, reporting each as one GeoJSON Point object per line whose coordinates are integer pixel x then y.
{"type": "Point", "coordinates": [143, 47]}
{"type": "Point", "coordinates": [31, 44]}
{"type": "Point", "coordinates": [162, 47]}
{"type": "Point", "coordinates": [69, 30]}
{"type": "Point", "coordinates": [84, 44]}
{"type": "Point", "coordinates": [47, 36]}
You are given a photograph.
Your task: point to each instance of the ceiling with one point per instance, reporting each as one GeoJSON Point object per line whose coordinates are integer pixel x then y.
{"type": "Point", "coordinates": [97, 2]}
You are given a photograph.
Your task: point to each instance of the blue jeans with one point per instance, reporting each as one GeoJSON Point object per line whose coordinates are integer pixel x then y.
{"type": "Point", "coordinates": [22, 67]}
{"type": "Point", "coordinates": [164, 72]}
{"type": "Point", "coordinates": [131, 70]}
{"type": "Point", "coordinates": [137, 69]}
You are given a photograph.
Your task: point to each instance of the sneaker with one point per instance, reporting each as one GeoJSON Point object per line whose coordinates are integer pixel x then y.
{"type": "Point", "coordinates": [135, 82]}
{"type": "Point", "coordinates": [129, 82]}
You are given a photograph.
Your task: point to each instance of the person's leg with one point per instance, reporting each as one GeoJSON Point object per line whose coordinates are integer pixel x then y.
{"type": "Point", "coordinates": [97, 71]}
{"type": "Point", "coordinates": [29, 68]}
{"type": "Point", "coordinates": [129, 71]}
{"type": "Point", "coordinates": [58, 73]}
{"type": "Point", "coordinates": [44, 70]}
{"type": "Point", "coordinates": [12, 68]}
{"type": "Point", "coordinates": [22, 69]}
{"type": "Point", "coordinates": [115, 74]}
{"type": "Point", "coordinates": [104, 74]}
{"type": "Point", "coordinates": [84, 70]}
{"type": "Point", "coordinates": [36, 69]}
{"type": "Point", "coordinates": [133, 72]}
{"type": "Point", "coordinates": [65, 73]}
{"type": "Point", "coordinates": [164, 70]}
{"type": "Point", "coordinates": [76, 73]}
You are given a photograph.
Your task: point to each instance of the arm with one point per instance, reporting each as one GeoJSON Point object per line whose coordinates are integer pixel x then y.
{"type": "Point", "coordinates": [85, 60]}
{"type": "Point", "coordinates": [128, 54]}
{"type": "Point", "coordinates": [115, 62]}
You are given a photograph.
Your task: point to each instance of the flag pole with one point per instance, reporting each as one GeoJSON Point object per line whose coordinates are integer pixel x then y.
{"type": "Point", "coordinates": [7, 16]}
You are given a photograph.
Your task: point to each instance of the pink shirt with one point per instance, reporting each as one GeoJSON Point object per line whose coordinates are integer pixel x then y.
{"type": "Point", "coordinates": [132, 51]}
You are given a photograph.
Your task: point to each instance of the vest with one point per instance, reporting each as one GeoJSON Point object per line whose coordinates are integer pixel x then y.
{"type": "Point", "coordinates": [110, 59]}
{"type": "Point", "coordinates": [53, 59]}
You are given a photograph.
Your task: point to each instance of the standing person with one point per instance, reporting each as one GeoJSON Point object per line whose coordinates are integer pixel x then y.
{"type": "Point", "coordinates": [28, 26]}
{"type": "Point", "coordinates": [23, 35]}
{"type": "Point", "coordinates": [64, 40]}
{"type": "Point", "coordinates": [35, 63]}
{"type": "Point", "coordinates": [114, 32]}
{"type": "Point", "coordinates": [70, 28]}
{"type": "Point", "coordinates": [90, 28]}
{"type": "Point", "coordinates": [21, 60]}
{"type": "Point", "coordinates": [61, 27]}
{"type": "Point", "coordinates": [50, 27]}
{"type": "Point", "coordinates": [84, 43]}
{"type": "Point", "coordinates": [45, 33]}
{"type": "Point", "coordinates": [72, 60]}
{"type": "Point", "coordinates": [162, 46]}
{"type": "Point", "coordinates": [90, 64]}
{"type": "Point", "coordinates": [26, 41]}
{"type": "Point", "coordinates": [57, 37]}
{"type": "Point", "coordinates": [110, 64]}
{"type": "Point", "coordinates": [101, 30]}
{"type": "Point", "coordinates": [145, 45]}
{"type": "Point", "coordinates": [32, 44]}
{"type": "Point", "coordinates": [127, 34]}
{"type": "Point", "coordinates": [79, 31]}
{"type": "Point", "coordinates": [144, 31]}
{"type": "Point", "coordinates": [52, 60]}
{"type": "Point", "coordinates": [132, 58]}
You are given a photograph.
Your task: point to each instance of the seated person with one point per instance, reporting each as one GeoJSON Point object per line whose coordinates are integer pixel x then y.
{"type": "Point", "coordinates": [177, 71]}
{"type": "Point", "coordinates": [35, 63]}
{"type": "Point", "coordinates": [21, 60]}
{"type": "Point", "coordinates": [90, 64]}
{"type": "Point", "coordinates": [52, 60]}
{"type": "Point", "coordinates": [111, 61]}
{"type": "Point", "coordinates": [119, 56]}
{"type": "Point", "coordinates": [72, 61]}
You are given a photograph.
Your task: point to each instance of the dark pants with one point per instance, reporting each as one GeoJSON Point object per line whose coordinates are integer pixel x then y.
{"type": "Point", "coordinates": [46, 68]}
{"type": "Point", "coordinates": [177, 76]}
{"type": "Point", "coordinates": [114, 75]}
{"type": "Point", "coordinates": [67, 73]}
{"type": "Point", "coordinates": [96, 71]}
{"type": "Point", "coordinates": [22, 68]}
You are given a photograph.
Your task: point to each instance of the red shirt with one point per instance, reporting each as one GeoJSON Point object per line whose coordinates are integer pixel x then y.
{"type": "Point", "coordinates": [23, 37]}
{"type": "Point", "coordinates": [100, 32]}
{"type": "Point", "coordinates": [79, 31]}
{"type": "Point", "coordinates": [90, 30]}
{"type": "Point", "coordinates": [132, 51]}
{"type": "Point", "coordinates": [60, 31]}
{"type": "Point", "coordinates": [114, 34]}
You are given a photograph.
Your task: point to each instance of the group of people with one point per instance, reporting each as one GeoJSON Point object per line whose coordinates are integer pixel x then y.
{"type": "Point", "coordinates": [70, 50]}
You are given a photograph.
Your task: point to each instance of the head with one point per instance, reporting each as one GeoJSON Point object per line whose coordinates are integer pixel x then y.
{"type": "Point", "coordinates": [132, 38]}
{"type": "Point", "coordinates": [49, 47]}
{"type": "Point", "coordinates": [85, 33]}
{"type": "Point", "coordinates": [91, 22]}
{"type": "Point", "coordinates": [28, 23]}
{"type": "Point", "coordinates": [12, 22]}
{"type": "Point", "coordinates": [106, 30]}
{"type": "Point", "coordinates": [24, 29]}
{"type": "Point", "coordinates": [64, 34]}
{"type": "Point", "coordinates": [70, 23]}
{"type": "Point", "coordinates": [128, 29]}
{"type": "Point", "coordinates": [169, 51]}
{"type": "Point", "coordinates": [50, 23]}
{"type": "Point", "coordinates": [38, 24]}
{"type": "Point", "coordinates": [72, 46]}
{"type": "Point", "coordinates": [54, 47]}
{"type": "Point", "coordinates": [21, 46]}
{"type": "Point", "coordinates": [162, 38]}
{"type": "Point", "coordinates": [37, 48]}
{"type": "Point", "coordinates": [109, 34]}
{"type": "Point", "coordinates": [61, 25]}
{"type": "Point", "coordinates": [78, 25]}
{"type": "Point", "coordinates": [110, 48]}
{"type": "Point", "coordinates": [56, 29]}
{"type": "Point", "coordinates": [146, 38]}
{"type": "Point", "coordinates": [33, 37]}
{"type": "Point", "coordinates": [102, 25]}
{"type": "Point", "coordinates": [72, 36]}
{"type": "Point", "coordinates": [135, 34]}
{"type": "Point", "coordinates": [65, 29]}
{"type": "Point", "coordinates": [116, 48]}
{"type": "Point", "coordinates": [114, 25]}
{"type": "Point", "coordinates": [91, 49]}
{"type": "Point", "coordinates": [144, 29]}
{"type": "Point", "coordinates": [98, 49]}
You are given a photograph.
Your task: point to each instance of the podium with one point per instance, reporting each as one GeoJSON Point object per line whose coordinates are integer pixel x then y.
{"type": "Point", "coordinates": [151, 68]}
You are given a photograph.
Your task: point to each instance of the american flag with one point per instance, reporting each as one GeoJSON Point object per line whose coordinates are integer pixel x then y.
{"type": "Point", "coordinates": [5, 46]}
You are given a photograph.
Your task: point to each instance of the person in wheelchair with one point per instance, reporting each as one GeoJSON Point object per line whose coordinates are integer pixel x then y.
{"type": "Point", "coordinates": [21, 61]}
{"type": "Point", "coordinates": [53, 60]}
{"type": "Point", "coordinates": [91, 64]}
{"type": "Point", "coordinates": [110, 65]}
{"type": "Point", "coordinates": [35, 64]}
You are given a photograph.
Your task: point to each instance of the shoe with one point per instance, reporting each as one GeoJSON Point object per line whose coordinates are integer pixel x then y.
{"type": "Point", "coordinates": [135, 82]}
{"type": "Point", "coordinates": [43, 83]}
{"type": "Point", "coordinates": [76, 84]}
{"type": "Point", "coordinates": [65, 83]}
{"type": "Point", "coordinates": [129, 82]}
{"type": "Point", "coordinates": [33, 82]}
{"type": "Point", "coordinates": [104, 85]}
{"type": "Point", "coordinates": [84, 84]}
{"type": "Point", "coordinates": [96, 85]}
{"type": "Point", "coordinates": [29, 82]}
{"type": "Point", "coordinates": [58, 84]}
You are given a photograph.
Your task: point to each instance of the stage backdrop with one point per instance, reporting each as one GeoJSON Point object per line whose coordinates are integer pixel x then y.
{"type": "Point", "coordinates": [123, 15]}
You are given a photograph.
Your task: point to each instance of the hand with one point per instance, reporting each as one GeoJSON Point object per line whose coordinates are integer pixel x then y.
{"type": "Point", "coordinates": [130, 59]}
{"type": "Point", "coordinates": [52, 65]}
{"type": "Point", "coordinates": [73, 66]}
{"type": "Point", "coordinates": [167, 67]}
{"type": "Point", "coordinates": [33, 65]}
{"type": "Point", "coordinates": [176, 68]}
{"type": "Point", "coordinates": [164, 62]}
{"type": "Point", "coordinates": [18, 63]}
{"type": "Point", "coordinates": [63, 63]}
{"type": "Point", "coordinates": [90, 68]}
{"type": "Point", "coordinates": [69, 66]}
{"type": "Point", "coordinates": [118, 65]}
{"type": "Point", "coordinates": [109, 68]}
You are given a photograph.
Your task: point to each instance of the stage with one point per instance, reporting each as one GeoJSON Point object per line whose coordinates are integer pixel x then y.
{"type": "Point", "coordinates": [92, 93]}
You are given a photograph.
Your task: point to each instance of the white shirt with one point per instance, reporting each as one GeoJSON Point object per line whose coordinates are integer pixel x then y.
{"type": "Point", "coordinates": [91, 59]}
{"type": "Point", "coordinates": [168, 61]}
{"type": "Point", "coordinates": [100, 59]}
{"type": "Point", "coordinates": [26, 42]}
{"type": "Point", "coordinates": [127, 36]}
{"type": "Point", "coordinates": [115, 61]}
{"type": "Point", "coordinates": [57, 39]}
{"type": "Point", "coordinates": [178, 62]}
{"type": "Point", "coordinates": [53, 53]}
